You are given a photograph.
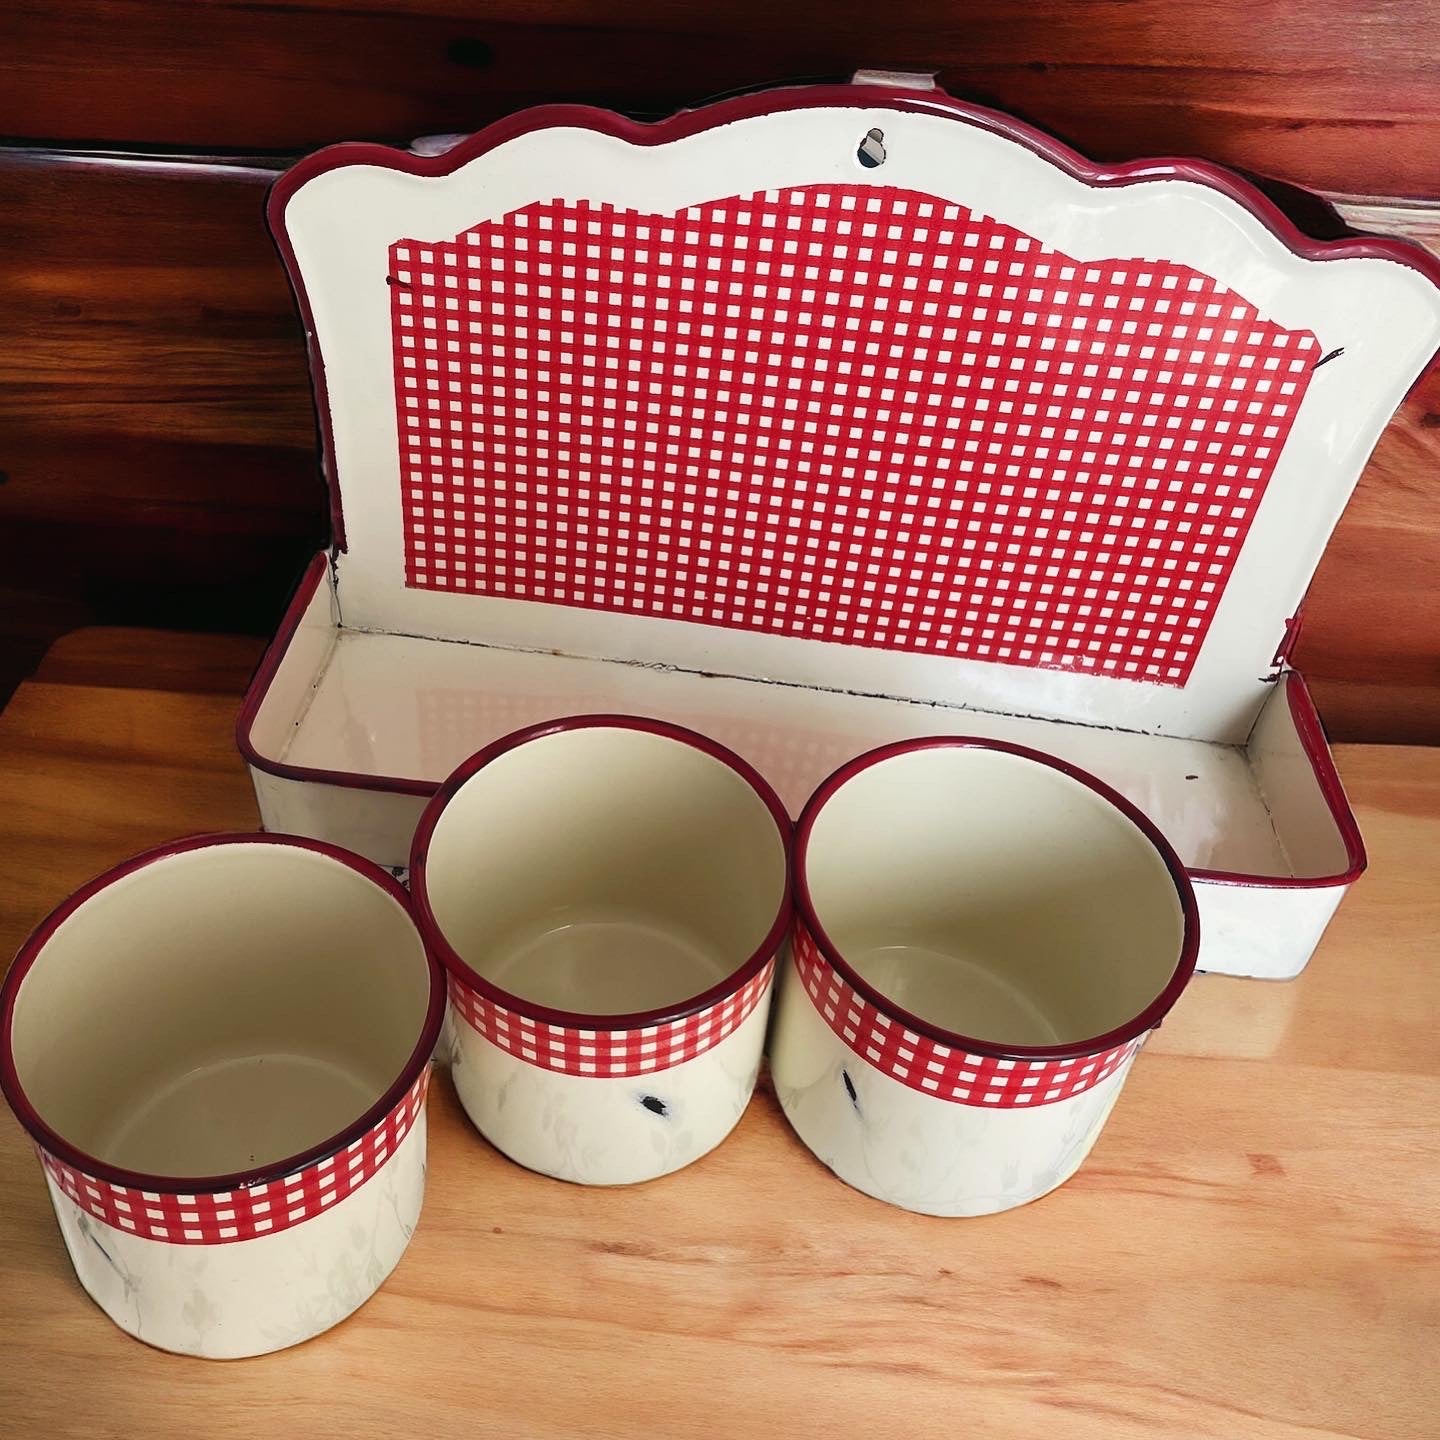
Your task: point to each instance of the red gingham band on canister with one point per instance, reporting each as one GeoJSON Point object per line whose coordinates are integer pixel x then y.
{"type": "Point", "coordinates": [608, 1053]}
{"type": "Point", "coordinates": [935, 1069]}
{"type": "Point", "coordinates": [229, 1215]}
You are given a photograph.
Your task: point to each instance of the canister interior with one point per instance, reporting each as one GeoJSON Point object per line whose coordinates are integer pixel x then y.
{"type": "Point", "coordinates": [605, 870]}
{"type": "Point", "coordinates": [992, 895]}
{"type": "Point", "coordinates": [220, 1009]}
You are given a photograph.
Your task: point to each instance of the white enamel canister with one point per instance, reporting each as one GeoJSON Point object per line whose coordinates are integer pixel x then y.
{"type": "Point", "coordinates": [609, 896]}
{"type": "Point", "coordinates": [984, 936]}
{"type": "Point", "coordinates": [221, 1050]}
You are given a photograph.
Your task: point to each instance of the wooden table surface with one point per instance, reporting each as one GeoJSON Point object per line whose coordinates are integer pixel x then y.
{"type": "Point", "coordinates": [1251, 1249]}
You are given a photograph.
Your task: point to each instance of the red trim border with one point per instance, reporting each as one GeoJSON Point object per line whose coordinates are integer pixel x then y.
{"type": "Point", "coordinates": [954, 1076]}
{"type": "Point", "coordinates": [578, 1020]}
{"type": "Point", "coordinates": [1146, 1020]}
{"type": "Point", "coordinates": [60, 1149]}
{"type": "Point", "coordinates": [610, 1054]}
{"type": "Point", "coordinates": [226, 1216]}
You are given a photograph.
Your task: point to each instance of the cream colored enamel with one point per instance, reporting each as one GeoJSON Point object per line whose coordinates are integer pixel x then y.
{"type": "Point", "coordinates": [973, 993]}
{"type": "Point", "coordinates": [283, 1097]}
{"type": "Point", "coordinates": [605, 870]}
{"type": "Point", "coordinates": [250, 1297]}
{"type": "Point", "coordinates": [213, 1011]}
{"type": "Point", "coordinates": [389, 698]}
{"type": "Point", "coordinates": [619, 961]}
{"type": "Point", "coordinates": [220, 1009]}
{"type": "Point", "coordinates": [378, 824]}
{"type": "Point", "coordinates": [414, 708]}
{"type": "Point", "coordinates": [911, 1150]}
{"type": "Point", "coordinates": [1285, 778]}
{"type": "Point", "coordinates": [994, 896]}
{"type": "Point", "coordinates": [595, 1130]}
{"type": "Point", "coordinates": [1271, 933]}
{"type": "Point", "coordinates": [386, 704]}
{"type": "Point", "coordinates": [287, 699]}
{"type": "Point", "coordinates": [400, 705]}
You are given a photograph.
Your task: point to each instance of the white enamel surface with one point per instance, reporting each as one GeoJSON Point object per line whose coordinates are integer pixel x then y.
{"type": "Point", "coordinates": [423, 706]}
{"type": "Point", "coordinates": [596, 1131]}
{"type": "Point", "coordinates": [306, 655]}
{"type": "Point", "coordinates": [992, 896]}
{"type": "Point", "coordinates": [378, 824]}
{"type": "Point", "coordinates": [935, 1156]}
{"type": "Point", "coordinates": [1385, 315]}
{"type": "Point", "coordinates": [219, 1009]}
{"type": "Point", "coordinates": [605, 870]}
{"type": "Point", "coordinates": [1267, 934]}
{"type": "Point", "coordinates": [401, 706]}
{"type": "Point", "coordinates": [252, 1296]}
{"type": "Point", "coordinates": [1285, 777]}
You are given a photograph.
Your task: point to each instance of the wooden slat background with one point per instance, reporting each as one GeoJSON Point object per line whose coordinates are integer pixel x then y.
{"type": "Point", "coordinates": [156, 437]}
{"type": "Point", "coordinates": [1338, 94]}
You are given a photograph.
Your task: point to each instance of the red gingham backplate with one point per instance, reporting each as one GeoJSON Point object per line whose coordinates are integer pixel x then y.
{"type": "Point", "coordinates": [849, 413]}
{"type": "Point", "coordinates": [936, 1069]}
{"type": "Point", "coordinates": [608, 1053]}
{"type": "Point", "coordinates": [230, 1215]}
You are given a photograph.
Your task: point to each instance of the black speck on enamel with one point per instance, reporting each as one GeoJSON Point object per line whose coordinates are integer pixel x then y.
{"type": "Point", "coordinates": [654, 1104]}
{"type": "Point", "coordinates": [850, 1090]}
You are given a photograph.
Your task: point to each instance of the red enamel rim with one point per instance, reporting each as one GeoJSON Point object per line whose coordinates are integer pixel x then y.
{"type": "Point", "coordinates": [57, 1146]}
{"type": "Point", "coordinates": [1147, 1019]}
{"type": "Point", "coordinates": [572, 1019]}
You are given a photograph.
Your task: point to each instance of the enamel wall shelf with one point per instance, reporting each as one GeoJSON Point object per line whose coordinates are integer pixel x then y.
{"type": "Point", "coordinates": [824, 418]}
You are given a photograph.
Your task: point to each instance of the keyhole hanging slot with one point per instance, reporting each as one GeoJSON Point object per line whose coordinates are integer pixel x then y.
{"type": "Point", "coordinates": [871, 152]}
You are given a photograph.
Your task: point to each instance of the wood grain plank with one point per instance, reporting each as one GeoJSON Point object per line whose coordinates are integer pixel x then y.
{"type": "Point", "coordinates": [1251, 1251]}
{"type": "Point", "coordinates": [157, 440]}
{"type": "Point", "coordinates": [1371, 634]}
{"type": "Point", "coordinates": [144, 300]}
{"type": "Point", "coordinates": [1370, 644]}
{"type": "Point", "coordinates": [137, 659]}
{"type": "Point", "coordinates": [1336, 93]}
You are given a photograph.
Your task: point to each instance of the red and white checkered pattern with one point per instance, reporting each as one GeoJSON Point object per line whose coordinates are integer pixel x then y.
{"type": "Point", "coordinates": [221, 1217]}
{"type": "Point", "coordinates": [606, 1054]}
{"type": "Point", "coordinates": [936, 1069]}
{"type": "Point", "coordinates": [849, 413]}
